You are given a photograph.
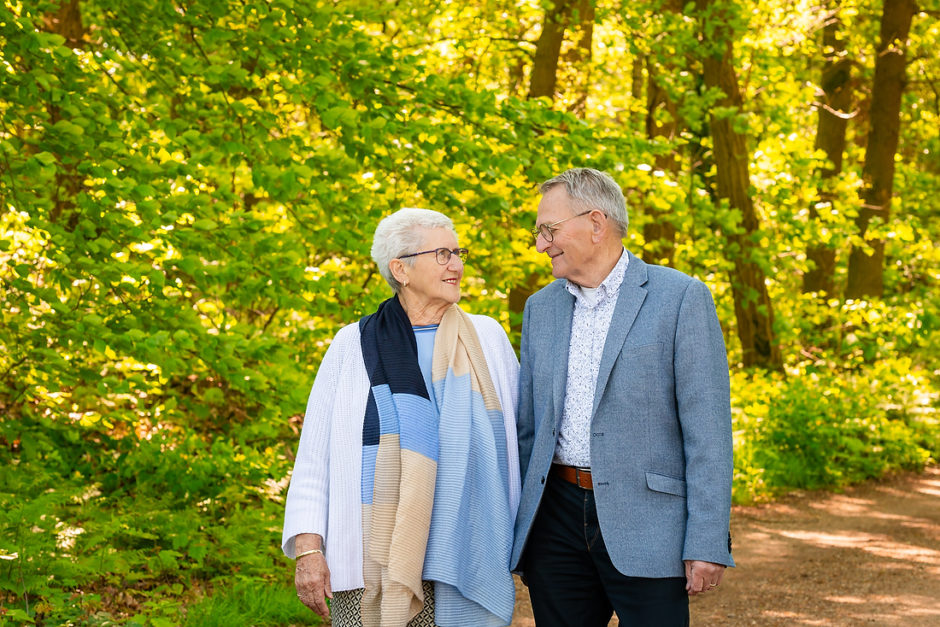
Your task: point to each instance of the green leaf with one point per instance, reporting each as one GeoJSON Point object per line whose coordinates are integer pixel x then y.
{"type": "Point", "coordinates": [68, 127]}
{"type": "Point", "coordinates": [213, 396]}
{"type": "Point", "coordinates": [16, 614]}
{"type": "Point", "coordinates": [205, 224]}
{"type": "Point", "coordinates": [157, 278]}
{"type": "Point", "coordinates": [45, 158]}
{"type": "Point", "coordinates": [168, 558]}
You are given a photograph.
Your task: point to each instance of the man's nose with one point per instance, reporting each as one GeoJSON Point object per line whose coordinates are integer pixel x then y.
{"type": "Point", "coordinates": [541, 244]}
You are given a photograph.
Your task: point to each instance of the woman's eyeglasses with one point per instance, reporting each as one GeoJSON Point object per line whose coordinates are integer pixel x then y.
{"type": "Point", "coordinates": [443, 254]}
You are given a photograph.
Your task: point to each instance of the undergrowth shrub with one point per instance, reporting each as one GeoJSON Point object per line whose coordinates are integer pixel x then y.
{"type": "Point", "coordinates": [811, 430]}
{"type": "Point", "coordinates": [97, 529]}
{"type": "Point", "coordinates": [255, 602]}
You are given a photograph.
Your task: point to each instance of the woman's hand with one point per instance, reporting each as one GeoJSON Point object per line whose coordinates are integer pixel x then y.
{"type": "Point", "coordinates": [312, 576]}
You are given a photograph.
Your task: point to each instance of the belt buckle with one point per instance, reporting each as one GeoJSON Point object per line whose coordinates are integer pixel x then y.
{"type": "Point", "coordinates": [577, 478]}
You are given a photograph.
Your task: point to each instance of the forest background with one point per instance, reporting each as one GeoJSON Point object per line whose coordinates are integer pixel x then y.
{"type": "Point", "coordinates": [188, 191]}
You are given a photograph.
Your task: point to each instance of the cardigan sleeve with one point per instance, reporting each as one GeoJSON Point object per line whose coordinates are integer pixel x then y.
{"type": "Point", "coordinates": [307, 506]}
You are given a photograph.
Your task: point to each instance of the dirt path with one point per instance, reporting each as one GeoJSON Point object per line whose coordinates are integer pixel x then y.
{"type": "Point", "coordinates": [869, 556]}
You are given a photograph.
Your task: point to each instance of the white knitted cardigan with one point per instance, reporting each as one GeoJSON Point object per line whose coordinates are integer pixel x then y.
{"type": "Point", "coordinates": [324, 494]}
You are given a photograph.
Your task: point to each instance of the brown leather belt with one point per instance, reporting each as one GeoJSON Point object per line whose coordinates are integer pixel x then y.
{"type": "Point", "coordinates": [581, 477]}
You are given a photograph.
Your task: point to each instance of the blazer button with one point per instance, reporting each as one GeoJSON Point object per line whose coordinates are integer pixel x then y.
{"type": "Point", "coordinates": [543, 480]}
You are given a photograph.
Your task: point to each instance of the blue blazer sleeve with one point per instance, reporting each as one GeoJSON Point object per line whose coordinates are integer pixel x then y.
{"type": "Point", "coordinates": [703, 406]}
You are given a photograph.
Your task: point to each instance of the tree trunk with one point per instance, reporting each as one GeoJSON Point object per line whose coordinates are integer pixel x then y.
{"type": "Point", "coordinates": [543, 83]}
{"type": "Point", "coordinates": [547, 50]}
{"type": "Point", "coordinates": [866, 270]}
{"type": "Point", "coordinates": [662, 120]}
{"type": "Point", "coordinates": [67, 21]}
{"type": "Point", "coordinates": [830, 138]}
{"type": "Point", "coordinates": [636, 77]}
{"type": "Point", "coordinates": [752, 307]}
{"type": "Point", "coordinates": [579, 57]}
{"type": "Point", "coordinates": [660, 233]}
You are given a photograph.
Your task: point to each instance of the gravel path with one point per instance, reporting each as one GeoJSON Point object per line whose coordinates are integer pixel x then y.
{"type": "Point", "coordinates": [867, 556]}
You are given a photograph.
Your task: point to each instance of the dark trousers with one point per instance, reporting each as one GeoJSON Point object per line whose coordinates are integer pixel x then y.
{"type": "Point", "coordinates": [570, 576]}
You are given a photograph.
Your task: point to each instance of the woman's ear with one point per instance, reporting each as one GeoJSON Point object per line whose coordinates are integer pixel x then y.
{"type": "Point", "coordinates": [397, 266]}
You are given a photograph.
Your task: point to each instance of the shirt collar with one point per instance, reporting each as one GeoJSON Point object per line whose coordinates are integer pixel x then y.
{"type": "Point", "coordinates": [610, 285]}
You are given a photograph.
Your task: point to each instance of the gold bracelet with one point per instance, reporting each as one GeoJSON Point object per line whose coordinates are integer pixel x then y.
{"type": "Point", "coordinates": [310, 552]}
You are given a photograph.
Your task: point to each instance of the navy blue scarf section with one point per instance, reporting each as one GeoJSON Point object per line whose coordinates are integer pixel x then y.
{"type": "Point", "coordinates": [390, 353]}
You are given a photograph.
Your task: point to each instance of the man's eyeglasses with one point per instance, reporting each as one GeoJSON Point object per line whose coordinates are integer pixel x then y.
{"type": "Point", "coordinates": [548, 230]}
{"type": "Point", "coordinates": [443, 254]}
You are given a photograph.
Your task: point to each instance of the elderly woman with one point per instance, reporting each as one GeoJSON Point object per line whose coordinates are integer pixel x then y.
{"type": "Point", "coordinates": [406, 484]}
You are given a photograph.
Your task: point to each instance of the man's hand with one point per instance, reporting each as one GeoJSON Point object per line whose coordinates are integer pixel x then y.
{"type": "Point", "coordinates": [702, 576]}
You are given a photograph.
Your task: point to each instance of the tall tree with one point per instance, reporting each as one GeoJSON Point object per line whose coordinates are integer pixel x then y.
{"type": "Point", "coordinates": [662, 123]}
{"type": "Point", "coordinates": [66, 20]}
{"type": "Point", "coordinates": [833, 111]}
{"type": "Point", "coordinates": [548, 49]}
{"type": "Point", "coordinates": [578, 57]}
{"type": "Point", "coordinates": [752, 306]}
{"type": "Point", "coordinates": [866, 269]}
{"type": "Point", "coordinates": [543, 83]}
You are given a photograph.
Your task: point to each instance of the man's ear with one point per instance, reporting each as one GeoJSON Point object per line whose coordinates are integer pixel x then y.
{"type": "Point", "coordinates": [599, 225]}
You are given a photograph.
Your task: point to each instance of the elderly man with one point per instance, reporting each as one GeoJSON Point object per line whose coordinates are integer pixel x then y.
{"type": "Point", "coordinates": [624, 424]}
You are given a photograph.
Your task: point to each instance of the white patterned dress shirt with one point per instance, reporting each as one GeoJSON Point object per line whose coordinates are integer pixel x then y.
{"type": "Point", "coordinates": [593, 311]}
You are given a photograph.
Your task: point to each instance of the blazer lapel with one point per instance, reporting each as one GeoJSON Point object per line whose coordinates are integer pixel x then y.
{"type": "Point", "coordinates": [631, 297]}
{"type": "Point", "coordinates": [560, 338]}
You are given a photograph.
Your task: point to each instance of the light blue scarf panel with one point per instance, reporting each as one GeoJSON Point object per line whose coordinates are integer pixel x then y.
{"type": "Point", "coordinates": [470, 540]}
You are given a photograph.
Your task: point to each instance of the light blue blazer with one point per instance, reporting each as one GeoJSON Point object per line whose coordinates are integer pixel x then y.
{"type": "Point", "coordinates": [661, 446]}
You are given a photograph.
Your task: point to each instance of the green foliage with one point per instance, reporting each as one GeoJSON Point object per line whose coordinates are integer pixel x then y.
{"type": "Point", "coordinates": [820, 430]}
{"type": "Point", "coordinates": [127, 523]}
{"type": "Point", "coordinates": [250, 603]}
{"type": "Point", "coordinates": [186, 204]}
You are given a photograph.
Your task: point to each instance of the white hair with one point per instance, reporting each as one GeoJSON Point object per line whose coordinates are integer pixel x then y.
{"type": "Point", "coordinates": [401, 233]}
{"type": "Point", "coordinates": [593, 189]}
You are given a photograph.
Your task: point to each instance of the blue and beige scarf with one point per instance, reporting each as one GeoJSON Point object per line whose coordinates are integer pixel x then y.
{"type": "Point", "coordinates": [435, 495]}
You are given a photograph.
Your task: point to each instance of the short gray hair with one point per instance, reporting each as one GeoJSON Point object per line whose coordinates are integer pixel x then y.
{"type": "Point", "coordinates": [400, 234]}
{"type": "Point", "coordinates": [592, 189]}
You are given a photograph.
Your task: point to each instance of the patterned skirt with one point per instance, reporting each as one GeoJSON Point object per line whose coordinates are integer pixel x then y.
{"type": "Point", "coordinates": [346, 606]}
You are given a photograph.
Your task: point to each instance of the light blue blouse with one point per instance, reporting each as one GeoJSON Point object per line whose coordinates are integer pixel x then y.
{"type": "Point", "coordinates": [424, 335]}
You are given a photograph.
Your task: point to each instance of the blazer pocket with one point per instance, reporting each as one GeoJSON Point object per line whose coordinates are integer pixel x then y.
{"type": "Point", "coordinates": [665, 483]}
{"type": "Point", "coordinates": [644, 351]}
